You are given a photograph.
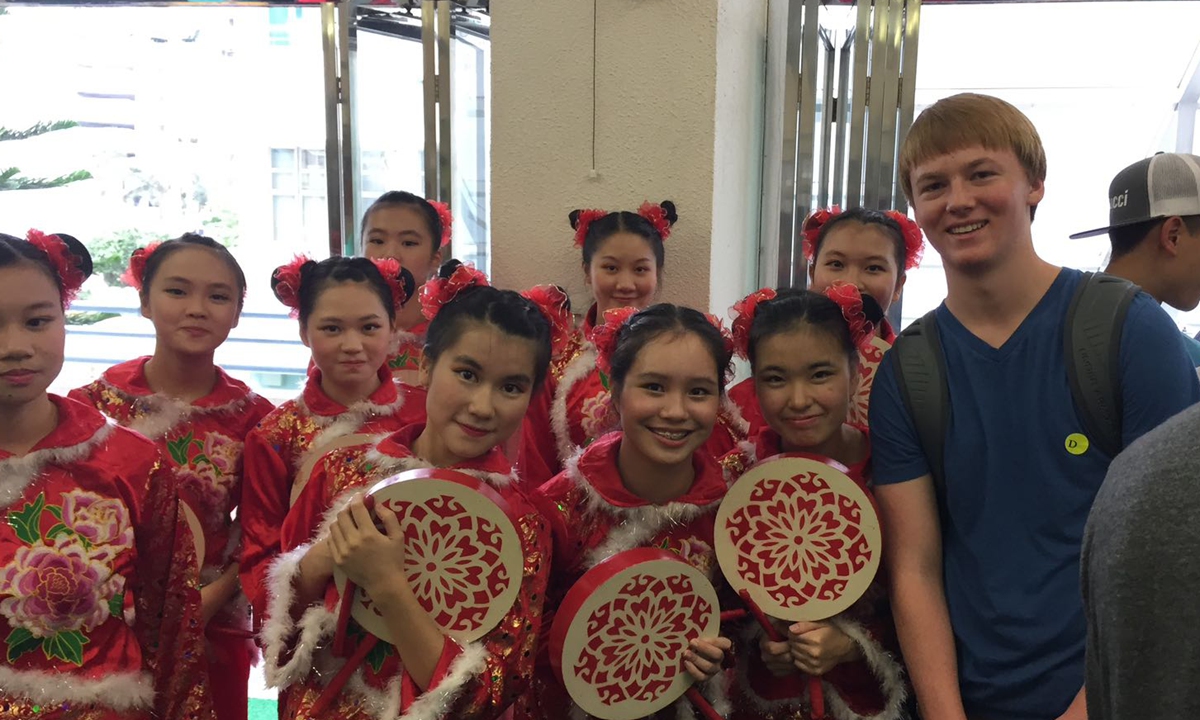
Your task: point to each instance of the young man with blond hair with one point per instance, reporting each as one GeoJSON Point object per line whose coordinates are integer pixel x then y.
{"type": "Point", "coordinates": [984, 565]}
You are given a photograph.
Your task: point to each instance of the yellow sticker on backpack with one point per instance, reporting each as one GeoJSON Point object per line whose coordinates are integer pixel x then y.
{"type": "Point", "coordinates": [1077, 443]}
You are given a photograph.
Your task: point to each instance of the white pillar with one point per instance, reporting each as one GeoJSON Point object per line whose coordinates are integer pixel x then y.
{"type": "Point", "coordinates": [678, 115]}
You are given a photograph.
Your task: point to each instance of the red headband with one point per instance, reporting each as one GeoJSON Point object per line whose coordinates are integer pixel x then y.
{"type": "Point", "coordinates": [914, 241]}
{"type": "Point", "coordinates": [811, 229]}
{"type": "Point", "coordinates": [743, 319]}
{"type": "Point", "coordinates": [65, 264]}
{"type": "Point", "coordinates": [604, 335]}
{"type": "Point", "coordinates": [443, 211]}
{"type": "Point", "coordinates": [287, 283]}
{"type": "Point", "coordinates": [657, 217]}
{"type": "Point", "coordinates": [390, 269]}
{"type": "Point", "coordinates": [585, 220]}
{"type": "Point", "coordinates": [136, 271]}
{"type": "Point", "coordinates": [556, 307]}
{"type": "Point", "coordinates": [439, 291]}
{"type": "Point", "coordinates": [849, 299]}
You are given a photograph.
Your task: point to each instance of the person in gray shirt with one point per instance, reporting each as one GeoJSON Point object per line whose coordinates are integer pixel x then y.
{"type": "Point", "coordinates": [1141, 579]}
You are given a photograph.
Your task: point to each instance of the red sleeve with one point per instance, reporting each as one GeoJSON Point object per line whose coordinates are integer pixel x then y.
{"type": "Point", "coordinates": [266, 487]}
{"type": "Point", "coordinates": [168, 617]}
{"type": "Point", "coordinates": [86, 395]}
{"type": "Point", "coordinates": [537, 459]}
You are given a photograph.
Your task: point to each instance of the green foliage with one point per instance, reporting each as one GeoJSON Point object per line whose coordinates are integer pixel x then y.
{"type": "Point", "coordinates": [11, 178]}
{"type": "Point", "coordinates": [88, 318]}
{"type": "Point", "coordinates": [110, 253]}
{"type": "Point", "coordinates": [38, 129]}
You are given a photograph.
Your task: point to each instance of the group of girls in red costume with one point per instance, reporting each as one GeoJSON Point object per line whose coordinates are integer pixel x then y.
{"type": "Point", "coordinates": [152, 555]}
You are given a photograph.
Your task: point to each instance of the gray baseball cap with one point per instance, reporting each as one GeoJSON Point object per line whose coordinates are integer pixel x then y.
{"type": "Point", "coordinates": [1165, 185]}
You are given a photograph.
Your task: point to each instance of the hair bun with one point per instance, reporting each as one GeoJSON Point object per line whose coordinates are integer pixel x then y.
{"type": "Point", "coordinates": [447, 269]}
{"type": "Point", "coordinates": [872, 309]}
{"type": "Point", "coordinates": [286, 279]}
{"type": "Point", "coordinates": [408, 283]}
{"type": "Point", "coordinates": [79, 252]}
{"type": "Point", "coordinates": [669, 212]}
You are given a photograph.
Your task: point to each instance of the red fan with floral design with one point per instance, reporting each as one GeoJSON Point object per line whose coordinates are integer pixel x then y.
{"type": "Point", "coordinates": [462, 553]}
{"type": "Point", "coordinates": [870, 354]}
{"type": "Point", "coordinates": [462, 558]}
{"type": "Point", "coordinates": [799, 539]}
{"type": "Point", "coordinates": [620, 634]}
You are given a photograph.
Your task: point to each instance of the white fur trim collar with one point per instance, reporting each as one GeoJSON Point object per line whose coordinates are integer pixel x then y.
{"type": "Point", "coordinates": [635, 525]}
{"type": "Point", "coordinates": [158, 414]}
{"type": "Point", "coordinates": [16, 473]}
{"type": "Point", "coordinates": [388, 465]}
{"type": "Point", "coordinates": [121, 692]}
{"type": "Point", "coordinates": [578, 369]}
{"type": "Point", "coordinates": [740, 425]}
{"type": "Point", "coordinates": [333, 427]}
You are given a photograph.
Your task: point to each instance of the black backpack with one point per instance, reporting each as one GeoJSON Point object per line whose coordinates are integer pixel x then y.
{"type": "Point", "coordinates": [1095, 319]}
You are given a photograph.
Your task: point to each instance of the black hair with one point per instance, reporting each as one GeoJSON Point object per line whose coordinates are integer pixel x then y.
{"type": "Point", "coordinates": [505, 310]}
{"type": "Point", "coordinates": [400, 198]}
{"type": "Point", "coordinates": [624, 221]}
{"type": "Point", "coordinates": [1126, 239]}
{"type": "Point", "coordinates": [186, 240]}
{"type": "Point", "coordinates": [14, 250]}
{"type": "Point", "coordinates": [315, 277]}
{"type": "Point", "coordinates": [660, 319]}
{"type": "Point", "coordinates": [867, 217]}
{"type": "Point", "coordinates": [792, 308]}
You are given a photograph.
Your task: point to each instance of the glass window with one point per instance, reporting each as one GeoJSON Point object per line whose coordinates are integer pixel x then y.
{"type": "Point", "coordinates": [1100, 81]}
{"type": "Point", "coordinates": [173, 119]}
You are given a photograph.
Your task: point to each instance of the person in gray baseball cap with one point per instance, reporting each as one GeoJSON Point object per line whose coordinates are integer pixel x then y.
{"type": "Point", "coordinates": [1154, 227]}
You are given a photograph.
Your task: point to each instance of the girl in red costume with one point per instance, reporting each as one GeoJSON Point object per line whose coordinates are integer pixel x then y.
{"type": "Point", "coordinates": [803, 348]}
{"type": "Point", "coordinates": [623, 261]}
{"type": "Point", "coordinates": [99, 572]}
{"type": "Point", "coordinates": [487, 353]}
{"type": "Point", "coordinates": [192, 289]}
{"type": "Point", "coordinates": [649, 484]}
{"type": "Point", "coordinates": [416, 232]}
{"type": "Point", "coordinates": [869, 249]}
{"type": "Point", "coordinates": [347, 311]}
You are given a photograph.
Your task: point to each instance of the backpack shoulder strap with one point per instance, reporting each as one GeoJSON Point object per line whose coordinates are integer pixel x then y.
{"type": "Point", "coordinates": [1092, 335]}
{"type": "Point", "coordinates": [921, 372]}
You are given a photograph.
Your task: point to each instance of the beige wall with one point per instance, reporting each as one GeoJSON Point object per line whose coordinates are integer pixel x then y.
{"type": "Point", "coordinates": [678, 114]}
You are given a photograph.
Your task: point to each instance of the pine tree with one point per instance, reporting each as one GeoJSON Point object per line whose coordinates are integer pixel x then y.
{"type": "Point", "coordinates": [11, 178]}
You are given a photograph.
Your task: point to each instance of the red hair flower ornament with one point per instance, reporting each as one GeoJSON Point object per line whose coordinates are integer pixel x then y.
{"type": "Point", "coordinates": [439, 291]}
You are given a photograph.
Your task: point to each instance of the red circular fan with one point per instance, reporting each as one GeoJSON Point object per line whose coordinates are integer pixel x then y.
{"type": "Point", "coordinates": [618, 638]}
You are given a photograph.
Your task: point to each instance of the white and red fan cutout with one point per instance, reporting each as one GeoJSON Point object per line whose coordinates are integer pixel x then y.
{"type": "Point", "coordinates": [798, 539]}
{"type": "Point", "coordinates": [462, 558]}
{"type": "Point", "coordinates": [869, 358]}
{"type": "Point", "coordinates": [619, 636]}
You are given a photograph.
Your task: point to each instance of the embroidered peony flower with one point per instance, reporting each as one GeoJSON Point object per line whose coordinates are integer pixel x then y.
{"type": "Point", "coordinates": [223, 452]}
{"type": "Point", "coordinates": [56, 588]}
{"type": "Point", "coordinates": [597, 415]}
{"type": "Point", "coordinates": [103, 522]}
{"type": "Point", "coordinates": [203, 489]}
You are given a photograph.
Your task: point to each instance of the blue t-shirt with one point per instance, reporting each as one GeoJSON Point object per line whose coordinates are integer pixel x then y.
{"type": "Point", "coordinates": [1192, 345]}
{"type": "Point", "coordinates": [1017, 498]}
